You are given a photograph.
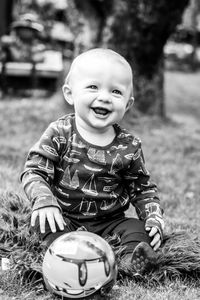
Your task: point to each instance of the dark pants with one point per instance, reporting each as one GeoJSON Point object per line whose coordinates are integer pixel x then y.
{"type": "Point", "coordinates": [130, 230]}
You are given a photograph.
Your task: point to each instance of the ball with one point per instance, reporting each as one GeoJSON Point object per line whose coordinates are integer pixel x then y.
{"type": "Point", "coordinates": [79, 264]}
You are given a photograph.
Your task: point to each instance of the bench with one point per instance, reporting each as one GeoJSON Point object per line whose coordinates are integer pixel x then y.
{"type": "Point", "coordinates": [51, 68]}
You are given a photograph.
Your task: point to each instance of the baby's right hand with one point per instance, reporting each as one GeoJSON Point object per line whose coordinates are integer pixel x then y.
{"type": "Point", "coordinates": [53, 216]}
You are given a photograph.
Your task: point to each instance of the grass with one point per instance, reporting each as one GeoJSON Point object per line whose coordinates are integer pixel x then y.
{"type": "Point", "coordinates": [172, 153]}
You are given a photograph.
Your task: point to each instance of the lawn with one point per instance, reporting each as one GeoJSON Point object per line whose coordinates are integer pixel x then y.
{"type": "Point", "coordinates": [172, 154]}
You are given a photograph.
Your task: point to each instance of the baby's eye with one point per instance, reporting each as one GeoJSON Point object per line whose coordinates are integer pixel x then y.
{"type": "Point", "coordinates": [92, 87]}
{"type": "Point", "coordinates": [118, 92]}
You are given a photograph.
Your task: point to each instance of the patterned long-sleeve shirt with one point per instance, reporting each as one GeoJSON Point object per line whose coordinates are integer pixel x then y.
{"type": "Point", "coordinates": [85, 180]}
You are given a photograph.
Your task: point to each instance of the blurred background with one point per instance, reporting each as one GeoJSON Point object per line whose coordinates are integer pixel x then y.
{"type": "Point", "coordinates": [161, 41]}
{"type": "Point", "coordinates": [39, 38]}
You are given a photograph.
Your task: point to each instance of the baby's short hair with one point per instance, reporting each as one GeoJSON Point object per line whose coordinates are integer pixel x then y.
{"type": "Point", "coordinates": [99, 53]}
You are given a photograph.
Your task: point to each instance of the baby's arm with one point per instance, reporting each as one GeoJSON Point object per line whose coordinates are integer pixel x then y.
{"type": "Point", "coordinates": [149, 210]}
{"type": "Point", "coordinates": [38, 177]}
{"type": "Point", "coordinates": [144, 197]}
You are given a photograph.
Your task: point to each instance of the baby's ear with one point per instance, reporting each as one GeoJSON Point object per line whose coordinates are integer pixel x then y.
{"type": "Point", "coordinates": [67, 92]}
{"type": "Point", "coordinates": [130, 103]}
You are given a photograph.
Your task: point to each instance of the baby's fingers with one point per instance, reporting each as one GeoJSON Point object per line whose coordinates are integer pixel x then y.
{"type": "Point", "coordinates": [152, 231]}
{"type": "Point", "coordinates": [34, 217]}
{"type": "Point", "coordinates": [156, 242]}
{"type": "Point", "coordinates": [51, 221]}
{"type": "Point", "coordinates": [59, 220]}
{"type": "Point", "coordinates": [42, 220]}
{"type": "Point", "coordinates": [157, 245]}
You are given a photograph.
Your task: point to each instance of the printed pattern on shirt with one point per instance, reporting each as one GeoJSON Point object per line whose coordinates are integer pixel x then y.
{"type": "Point", "coordinates": [87, 180]}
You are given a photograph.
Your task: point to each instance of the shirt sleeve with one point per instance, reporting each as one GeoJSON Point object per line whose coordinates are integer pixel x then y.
{"type": "Point", "coordinates": [39, 169]}
{"type": "Point", "coordinates": [142, 192]}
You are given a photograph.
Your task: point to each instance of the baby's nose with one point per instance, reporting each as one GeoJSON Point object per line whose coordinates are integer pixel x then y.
{"type": "Point", "coordinates": [104, 96]}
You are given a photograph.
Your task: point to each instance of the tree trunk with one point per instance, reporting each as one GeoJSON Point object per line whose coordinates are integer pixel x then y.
{"type": "Point", "coordinates": [195, 8]}
{"type": "Point", "coordinates": [149, 93]}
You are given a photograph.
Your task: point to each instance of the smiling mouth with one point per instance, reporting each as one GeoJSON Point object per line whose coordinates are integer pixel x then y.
{"type": "Point", "coordinates": [101, 111]}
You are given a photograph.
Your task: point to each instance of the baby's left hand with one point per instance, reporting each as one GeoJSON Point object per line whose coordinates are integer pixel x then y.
{"type": "Point", "coordinates": [155, 235]}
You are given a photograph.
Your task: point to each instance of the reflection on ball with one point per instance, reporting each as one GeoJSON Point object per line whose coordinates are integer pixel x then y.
{"type": "Point", "coordinates": [79, 264]}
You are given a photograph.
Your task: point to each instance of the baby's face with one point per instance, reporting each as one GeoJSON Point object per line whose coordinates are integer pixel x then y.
{"type": "Point", "coordinates": [100, 91]}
